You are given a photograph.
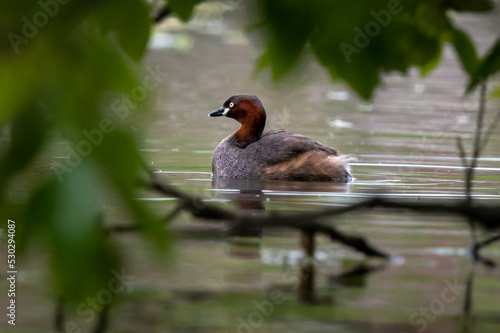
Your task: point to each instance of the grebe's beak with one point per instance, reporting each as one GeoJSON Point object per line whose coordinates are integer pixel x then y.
{"type": "Point", "coordinates": [222, 111]}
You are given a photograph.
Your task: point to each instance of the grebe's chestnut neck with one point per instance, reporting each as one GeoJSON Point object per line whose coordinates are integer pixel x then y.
{"type": "Point", "coordinates": [249, 112]}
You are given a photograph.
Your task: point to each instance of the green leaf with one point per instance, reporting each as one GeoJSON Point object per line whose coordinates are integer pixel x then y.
{"type": "Point", "coordinates": [131, 25]}
{"type": "Point", "coordinates": [488, 66]}
{"type": "Point", "coordinates": [465, 50]}
{"type": "Point", "coordinates": [63, 80]}
{"type": "Point", "coordinates": [356, 42]}
{"type": "Point", "coordinates": [183, 8]}
{"type": "Point", "coordinates": [39, 216]}
{"type": "Point", "coordinates": [71, 222]}
{"type": "Point", "coordinates": [290, 24]}
{"type": "Point", "coordinates": [17, 84]}
{"type": "Point", "coordinates": [427, 68]}
{"type": "Point", "coordinates": [118, 155]}
{"type": "Point", "coordinates": [28, 135]}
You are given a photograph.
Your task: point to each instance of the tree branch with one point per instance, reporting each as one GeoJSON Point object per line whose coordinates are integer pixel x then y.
{"type": "Point", "coordinates": [303, 221]}
{"type": "Point", "coordinates": [309, 221]}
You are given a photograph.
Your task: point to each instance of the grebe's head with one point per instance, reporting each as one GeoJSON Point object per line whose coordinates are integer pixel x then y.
{"type": "Point", "coordinates": [249, 112]}
{"type": "Point", "coordinates": [241, 108]}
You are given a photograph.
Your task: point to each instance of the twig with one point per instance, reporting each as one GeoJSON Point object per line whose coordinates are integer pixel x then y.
{"type": "Point", "coordinates": [59, 320]}
{"type": "Point", "coordinates": [485, 261]}
{"type": "Point", "coordinates": [469, 173]}
{"type": "Point", "coordinates": [461, 151]}
{"type": "Point", "coordinates": [103, 318]}
{"type": "Point", "coordinates": [466, 319]}
{"type": "Point", "coordinates": [308, 223]}
{"type": "Point", "coordinates": [164, 12]}
{"type": "Point", "coordinates": [306, 286]}
{"type": "Point", "coordinates": [173, 214]}
{"type": "Point", "coordinates": [479, 125]}
{"type": "Point", "coordinates": [488, 241]}
{"type": "Point", "coordinates": [469, 176]}
{"type": "Point", "coordinates": [477, 248]}
{"type": "Point", "coordinates": [489, 131]}
{"type": "Point", "coordinates": [487, 216]}
{"type": "Point", "coordinates": [123, 228]}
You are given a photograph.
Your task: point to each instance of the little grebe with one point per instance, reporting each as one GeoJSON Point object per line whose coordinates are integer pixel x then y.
{"type": "Point", "coordinates": [282, 155]}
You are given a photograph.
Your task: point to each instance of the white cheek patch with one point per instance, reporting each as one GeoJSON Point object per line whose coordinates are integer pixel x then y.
{"type": "Point", "coordinates": [226, 110]}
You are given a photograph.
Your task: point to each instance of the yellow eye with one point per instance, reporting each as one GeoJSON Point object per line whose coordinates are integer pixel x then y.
{"type": "Point", "coordinates": [231, 104]}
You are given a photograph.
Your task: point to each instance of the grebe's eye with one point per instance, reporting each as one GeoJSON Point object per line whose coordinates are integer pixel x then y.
{"type": "Point", "coordinates": [231, 104]}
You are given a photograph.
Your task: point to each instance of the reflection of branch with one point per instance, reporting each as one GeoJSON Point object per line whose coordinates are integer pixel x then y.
{"type": "Point", "coordinates": [59, 319]}
{"type": "Point", "coordinates": [461, 151]}
{"type": "Point", "coordinates": [123, 228]}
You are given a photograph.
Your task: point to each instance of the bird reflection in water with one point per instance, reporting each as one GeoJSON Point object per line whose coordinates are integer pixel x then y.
{"type": "Point", "coordinates": [251, 197]}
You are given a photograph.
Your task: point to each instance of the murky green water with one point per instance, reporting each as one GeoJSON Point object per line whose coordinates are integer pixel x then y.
{"type": "Point", "coordinates": [404, 142]}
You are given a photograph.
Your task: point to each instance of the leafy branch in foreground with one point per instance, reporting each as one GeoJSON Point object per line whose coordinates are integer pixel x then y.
{"type": "Point", "coordinates": [63, 67]}
{"type": "Point", "coordinates": [307, 222]}
{"type": "Point", "coordinates": [487, 216]}
{"type": "Point", "coordinates": [380, 36]}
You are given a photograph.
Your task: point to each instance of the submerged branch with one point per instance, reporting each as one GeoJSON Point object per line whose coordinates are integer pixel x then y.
{"type": "Point", "coordinates": [310, 221]}
{"type": "Point", "coordinates": [301, 221]}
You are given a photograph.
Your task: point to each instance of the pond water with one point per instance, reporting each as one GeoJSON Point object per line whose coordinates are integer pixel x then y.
{"type": "Point", "coordinates": [404, 142]}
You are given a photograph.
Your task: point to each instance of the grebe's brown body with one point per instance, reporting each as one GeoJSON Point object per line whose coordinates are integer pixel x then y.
{"type": "Point", "coordinates": [281, 155]}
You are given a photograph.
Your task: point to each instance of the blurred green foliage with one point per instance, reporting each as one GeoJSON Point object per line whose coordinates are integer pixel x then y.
{"type": "Point", "coordinates": [358, 41]}
{"type": "Point", "coordinates": [62, 62]}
